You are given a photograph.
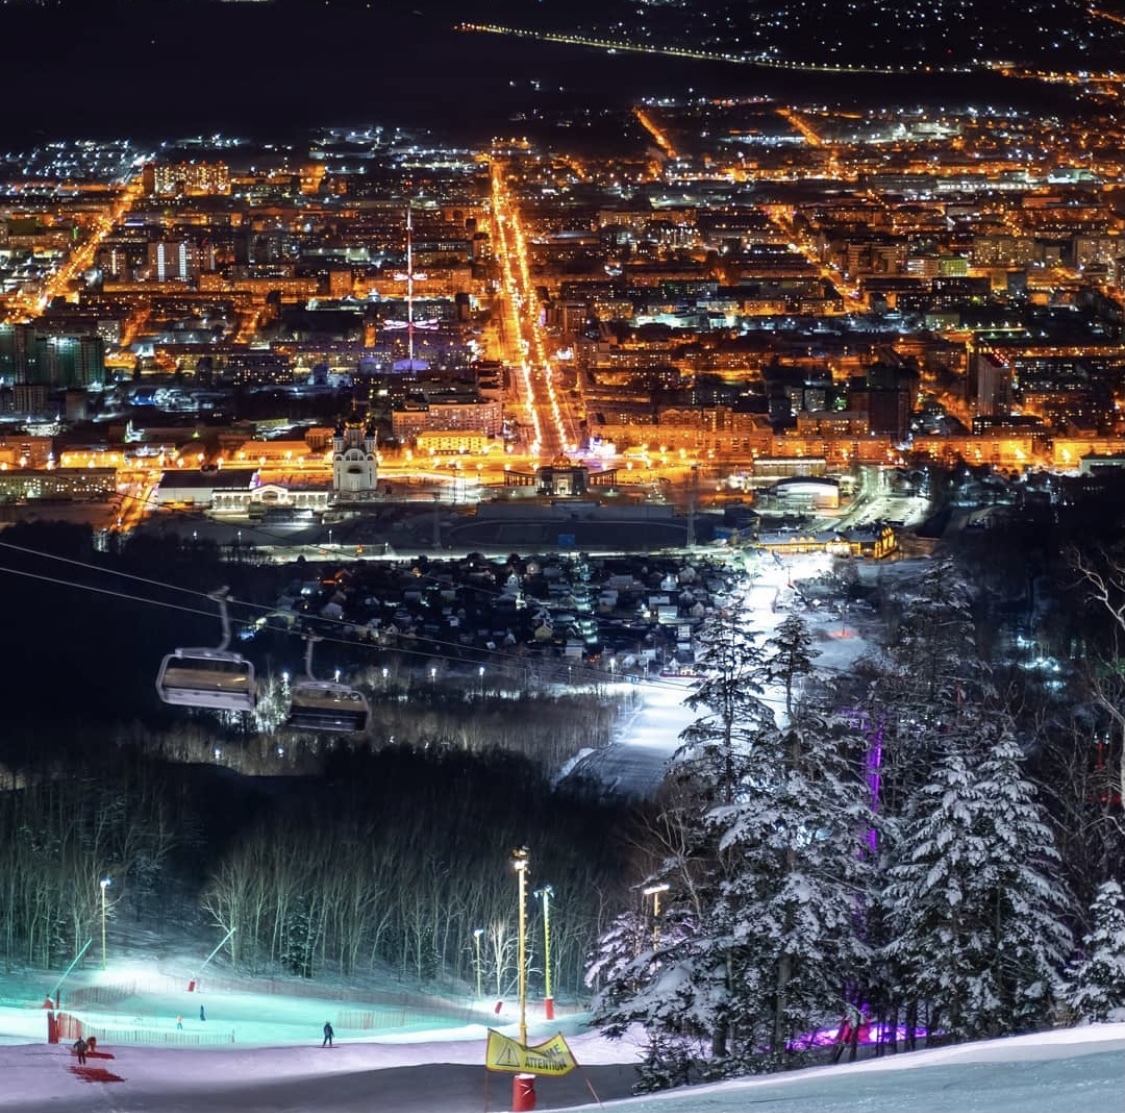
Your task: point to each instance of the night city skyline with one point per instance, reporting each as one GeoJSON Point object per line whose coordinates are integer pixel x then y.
{"type": "Point", "coordinates": [595, 522]}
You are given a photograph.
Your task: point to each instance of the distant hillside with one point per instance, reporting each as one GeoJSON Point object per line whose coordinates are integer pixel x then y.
{"type": "Point", "coordinates": [1049, 34]}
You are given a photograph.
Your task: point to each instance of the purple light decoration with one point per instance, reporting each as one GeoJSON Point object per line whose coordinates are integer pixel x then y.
{"type": "Point", "coordinates": [873, 774]}
{"type": "Point", "coordinates": [867, 1034]}
{"type": "Point", "coordinates": [874, 780]}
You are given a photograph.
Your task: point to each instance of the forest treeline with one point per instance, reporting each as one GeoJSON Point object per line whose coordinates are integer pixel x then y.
{"type": "Point", "coordinates": [386, 860]}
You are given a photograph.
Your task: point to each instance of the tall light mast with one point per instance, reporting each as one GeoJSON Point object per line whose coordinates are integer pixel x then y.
{"type": "Point", "coordinates": [410, 286]}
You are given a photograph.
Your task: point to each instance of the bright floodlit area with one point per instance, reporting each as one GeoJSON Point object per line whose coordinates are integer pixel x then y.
{"type": "Point", "coordinates": [263, 1052]}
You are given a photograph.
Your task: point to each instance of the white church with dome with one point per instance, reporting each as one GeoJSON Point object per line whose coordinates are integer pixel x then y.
{"type": "Point", "coordinates": [354, 464]}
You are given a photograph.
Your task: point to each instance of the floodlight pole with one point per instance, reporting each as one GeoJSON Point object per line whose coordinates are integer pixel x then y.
{"type": "Point", "coordinates": [549, 1001]}
{"type": "Point", "coordinates": [105, 883]}
{"type": "Point", "coordinates": [477, 933]}
{"type": "Point", "coordinates": [520, 862]}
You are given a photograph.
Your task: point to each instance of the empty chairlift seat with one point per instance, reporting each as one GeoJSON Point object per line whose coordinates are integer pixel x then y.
{"type": "Point", "coordinates": [207, 678]}
{"type": "Point", "coordinates": [203, 677]}
{"type": "Point", "coordinates": [321, 705]}
{"type": "Point", "coordinates": [325, 705]}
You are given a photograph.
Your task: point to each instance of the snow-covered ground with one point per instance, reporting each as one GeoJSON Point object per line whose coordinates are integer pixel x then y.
{"type": "Point", "coordinates": [635, 763]}
{"type": "Point", "coordinates": [1077, 1070]}
{"type": "Point", "coordinates": [274, 1062]}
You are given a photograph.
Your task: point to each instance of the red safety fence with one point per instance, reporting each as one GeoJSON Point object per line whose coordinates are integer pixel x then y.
{"type": "Point", "coordinates": [69, 1028]}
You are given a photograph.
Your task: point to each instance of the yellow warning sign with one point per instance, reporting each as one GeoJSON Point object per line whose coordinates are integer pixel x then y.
{"type": "Point", "coordinates": [553, 1057]}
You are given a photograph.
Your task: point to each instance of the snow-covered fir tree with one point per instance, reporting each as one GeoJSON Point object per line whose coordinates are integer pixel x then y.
{"type": "Point", "coordinates": [975, 916]}
{"type": "Point", "coordinates": [733, 713]}
{"type": "Point", "coordinates": [930, 669]}
{"type": "Point", "coordinates": [1094, 987]}
{"type": "Point", "coordinates": [789, 902]}
{"type": "Point", "coordinates": [759, 938]}
{"type": "Point", "coordinates": [926, 677]}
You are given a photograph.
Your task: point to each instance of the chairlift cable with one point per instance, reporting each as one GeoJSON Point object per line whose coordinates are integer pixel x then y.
{"type": "Point", "coordinates": [499, 658]}
{"type": "Point", "coordinates": [105, 591]}
{"type": "Point", "coordinates": [108, 571]}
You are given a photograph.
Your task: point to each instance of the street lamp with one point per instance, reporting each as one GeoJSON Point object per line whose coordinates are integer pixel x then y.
{"type": "Point", "coordinates": [105, 883]}
{"type": "Point", "coordinates": [654, 891]}
{"type": "Point", "coordinates": [480, 673]}
{"type": "Point", "coordinates": [549, 1001]}
{"type": "Point", "coordinates": [477, 933]}
{"type": "Point", "coordinates": [520, 863]}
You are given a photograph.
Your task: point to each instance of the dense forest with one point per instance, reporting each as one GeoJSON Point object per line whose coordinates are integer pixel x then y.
{"type": "Point", "coordinates": [386, 860]}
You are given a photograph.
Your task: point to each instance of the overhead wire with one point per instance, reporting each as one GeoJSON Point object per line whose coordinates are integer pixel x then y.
{"type": "Point", "coordinates": [98, 568]}
{"type": "Point", "coordinates": [496, 658]}
{"type": "Point", "coordinates": [104, 591]}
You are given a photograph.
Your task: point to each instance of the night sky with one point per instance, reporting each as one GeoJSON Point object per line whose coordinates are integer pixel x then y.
{"type": "Point", "coordinates": [168, 68]}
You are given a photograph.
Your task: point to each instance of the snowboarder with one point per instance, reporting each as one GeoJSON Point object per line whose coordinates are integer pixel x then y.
{"type": "Point", "coordinates": [328, 1034]}
{"type": "Point", "coordinates": [202, 1013]}
{"type": "Point", "coordinates": [80, 1047]}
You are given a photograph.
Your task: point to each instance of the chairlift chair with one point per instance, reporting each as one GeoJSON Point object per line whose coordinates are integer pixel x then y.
{"type": "Point", "coordinates": [324, 705]}
{"type": "Point", "coordinates": [205, 677]}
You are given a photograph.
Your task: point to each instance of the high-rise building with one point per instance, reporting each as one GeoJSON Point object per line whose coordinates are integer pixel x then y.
{"type": "Point", "coordinates": [17, 348]}
{"type": "Point", "coordinates": [173, 262]}
{"type": "Point", "coordinates": [63, 360]}
{"type": "Point", "coordinates": [31, 398]}
{"type": "Point", "coordinates": [993, 384]}
{"type": "Point", "coordinates": [68, 361]}
{"type": "Point", "coordinates": [188, 178]}
{"type": "Point", "coordinates": [118, 260]}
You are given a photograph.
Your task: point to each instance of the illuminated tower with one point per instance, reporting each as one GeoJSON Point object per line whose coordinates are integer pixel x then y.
{"type": "Point", "coordinates": [410, 324]}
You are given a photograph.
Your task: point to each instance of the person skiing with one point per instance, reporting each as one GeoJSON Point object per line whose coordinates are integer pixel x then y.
{"type": "Point", "coordinates": [80, 1047]}
{"type": "Point", "coordinates": [202, 1013]}
{"type": "Point", "coordinates": [328, 1034]}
